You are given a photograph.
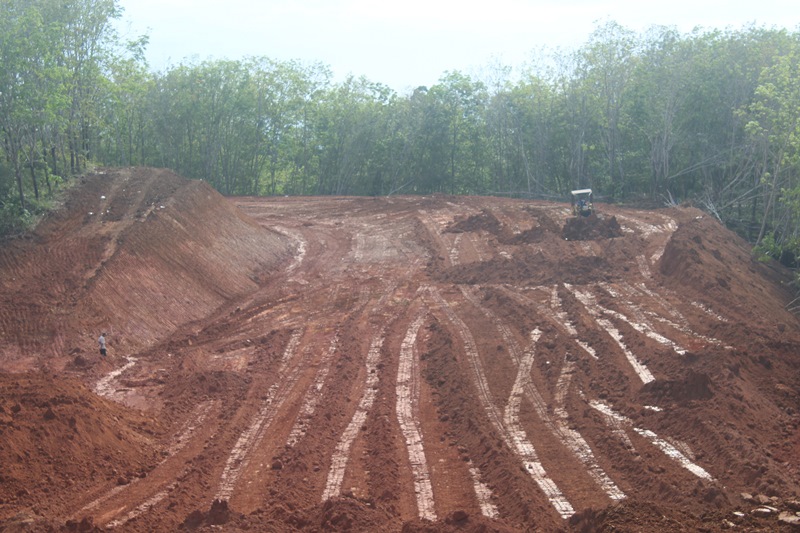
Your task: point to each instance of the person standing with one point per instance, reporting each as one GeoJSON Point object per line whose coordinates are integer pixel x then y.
{"type": "Point", "coordinates": [102, 342]}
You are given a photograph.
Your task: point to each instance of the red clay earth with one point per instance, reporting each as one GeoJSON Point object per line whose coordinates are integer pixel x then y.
{"type": "Point", "coordinates": [390, 364]}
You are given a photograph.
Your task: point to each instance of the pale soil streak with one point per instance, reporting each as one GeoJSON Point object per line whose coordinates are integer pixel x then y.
{"type": "Point", "coordinates": [104, 386]}
{"type": "Point", "coordinates": [342, 452]}
{"type": "Point", "coordinates": [668, 449]}
{"type": "Point", "coordinates": [454, 250]}
{"type": "Point", "coordinates": [407, 407]}
{"type": "Point", "coordinates": [594, 309]}
{"type": "Point", "coordinates": [196, 418]}
{"type": "Point", "coordinates": [682, 325]}
{"type": "Point", "coordinates": [669, 308]}
{"type": "Point", "coordinates": [642, 325]}
{"type": "Point", "coordinates": [312, 397]}
{"type": "Point", "coordinates": [617, 424]}
{"type": "Point", "coordinates": [433, 228]}
{"type": "Point", "coordinates": [249, 439]}
{"type": "Point", "coordinates": [575, 441]}
{"type": "Point", "coordinates": [300, 247]}
{"type": "Point", "coordinates": [644, 268]}
{"type": "Point", "coordinates": [572, 440]}
{"type": "Point", "coordinates": [645, 228]}
{"type": "Point", "coordinates": [563, 318]}
{"type": "Point", "coordinates": [482, 492]}
{"type": "Point", "coordinates": [514, 440]}
{"type": "Point", "coordinates": [709, 311]}
{"type": "Point", "coordinates": [555, 315]}
{"type": "Point", "coordinates": [376, 247]}
{"type": "Point", "coordinates": [669, 227]}
{"type": "Point", "coordinates": [144, 507]}
{"type": "Point", "coordinates": [520, 440]}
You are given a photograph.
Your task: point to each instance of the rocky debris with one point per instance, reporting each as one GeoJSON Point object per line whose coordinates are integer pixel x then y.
{"type": "Point", "coordinates": [219, 514]}
{"type": "Point", "coordinates": [769, 508]}
{"type": "Point", "coordinates": [792, 519]}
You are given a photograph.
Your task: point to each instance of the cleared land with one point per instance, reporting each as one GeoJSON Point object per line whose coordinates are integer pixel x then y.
{"type": "Point", "coordinates": [385, 364]}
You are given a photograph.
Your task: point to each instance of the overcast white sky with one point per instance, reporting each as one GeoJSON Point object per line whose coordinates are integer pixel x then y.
{"type": "Point", "coordinates": [409, 43]}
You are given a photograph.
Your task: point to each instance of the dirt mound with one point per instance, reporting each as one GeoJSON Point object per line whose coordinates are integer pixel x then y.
{"type": "Point", "coordinates": [532, 267]}
{"type": "Point", "coordinates": [133, 252]}
{"type": "Point", "coordinates": [484, 221]}
{"type": "Point", "coordinates": [544, 227]}
{"type": "Point", "coordinates": [56, 435]}
{"type": "Point", "coordinates": [591, 228]}
{"type": "Point", "coordinates": [718, 266]}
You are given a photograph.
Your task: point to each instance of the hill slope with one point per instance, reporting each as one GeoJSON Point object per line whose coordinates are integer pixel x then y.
{"type": "Point", "coordinates": [137, 252]}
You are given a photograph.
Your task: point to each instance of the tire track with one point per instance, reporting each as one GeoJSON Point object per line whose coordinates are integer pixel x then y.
{"type": "Point", "coordinates": [144, 507]}
{"type": "Point", "coordinates": [595, 311]}
{"type": "Point", "coordinates": [301, 246]}
{"type": "Point", "coordinates": [313, 396]}
{"type": "Point", "coordinates": [555, 315]}
{"type": "Point", "coordinates": [668, 449]}
{"type": "Point", "coordinates": [558, 426]}
{"type": "Point", "coordinates": [341, 453]}
{"type": "Point", "coordinates": [407, 407]}
{"type": "Point", "coordinates": [515, 440]}
{"type": "Point", "coordinates": [238, 459]}
{"type": "Point", "coordinates": [681, 325]}
{"type": "Point", "coordinates": [104, 386]}
{"type": "Point", "coordinates": [194, 421]}
{"type": "Point", "coordinates": [483, 492]}
{"type": "Point", "coordinates": [563, 318]}
{"type": "Point", "coordinates": [641, 324]}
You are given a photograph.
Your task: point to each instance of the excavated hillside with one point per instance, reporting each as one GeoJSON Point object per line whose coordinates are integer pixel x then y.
{"type": "Point", "coordinates": [390, 364]}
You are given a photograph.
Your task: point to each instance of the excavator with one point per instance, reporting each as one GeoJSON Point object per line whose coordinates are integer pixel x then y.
{"type": "Point", "coordinates": [582, 202]}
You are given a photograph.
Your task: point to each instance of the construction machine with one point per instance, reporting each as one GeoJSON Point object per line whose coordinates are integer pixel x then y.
{"type": "Point", "coordinates": [582, 202]}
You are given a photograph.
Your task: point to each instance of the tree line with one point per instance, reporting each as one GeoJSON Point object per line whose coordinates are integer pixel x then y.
{"type": "Point", "coordinates": [708, 117]}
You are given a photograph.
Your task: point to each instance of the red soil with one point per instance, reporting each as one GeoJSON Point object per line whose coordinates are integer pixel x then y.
{"type": "Point", "coordinates": [257, 343]}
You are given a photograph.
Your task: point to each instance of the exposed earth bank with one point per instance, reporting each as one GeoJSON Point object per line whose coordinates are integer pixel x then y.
{"type": "Point", "coordinates": [390, 364]}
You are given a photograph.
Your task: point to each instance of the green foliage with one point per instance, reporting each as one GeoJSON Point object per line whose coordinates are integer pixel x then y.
{"type": "Point", "coordinates": [15, 220]}
{"type": "Point", "coordinates": [768, 249]}
{"type": "Point", "coordinates": [710, 117]}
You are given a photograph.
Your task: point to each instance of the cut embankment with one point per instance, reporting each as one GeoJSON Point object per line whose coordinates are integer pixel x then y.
{"type": "Point", "coordinates": [180, 263]}
{"type": "Point", "coordinates": [133, 252]}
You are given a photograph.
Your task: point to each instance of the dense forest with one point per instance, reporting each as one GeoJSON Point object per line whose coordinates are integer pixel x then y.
{"type": "Point", "coordinates": [709, 117]}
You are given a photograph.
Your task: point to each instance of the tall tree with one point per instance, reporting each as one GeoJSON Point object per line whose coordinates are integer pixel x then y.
{"type": "Point", "coordinates": [611, 55]}
{"type": "Point", "coordinates": [774, 124]}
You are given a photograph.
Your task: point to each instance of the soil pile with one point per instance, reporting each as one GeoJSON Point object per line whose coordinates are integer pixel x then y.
{"type": "Point", "coordinates": [133, 252]}
{"type": "Point", "coordinates": [591, 228]}
{"type": "Point", "coordinates": [56, 436]}
{"type": "Point", "coordinates": [718, 266]}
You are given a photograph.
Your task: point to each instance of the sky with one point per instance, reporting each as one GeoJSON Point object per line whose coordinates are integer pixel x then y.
{"type": "Point", "coordinates": [408, 43]}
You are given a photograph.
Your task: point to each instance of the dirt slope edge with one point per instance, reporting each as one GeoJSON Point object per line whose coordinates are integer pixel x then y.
{"type": "Point", "coordinates": [137, 252]}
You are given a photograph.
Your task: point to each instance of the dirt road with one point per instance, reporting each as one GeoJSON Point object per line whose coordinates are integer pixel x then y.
{"type": "Point", "coordinates": [374, 364]}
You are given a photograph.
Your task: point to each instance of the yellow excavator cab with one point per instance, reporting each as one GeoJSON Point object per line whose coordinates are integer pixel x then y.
{"type": "Point", "coordinates": [582, 204]}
